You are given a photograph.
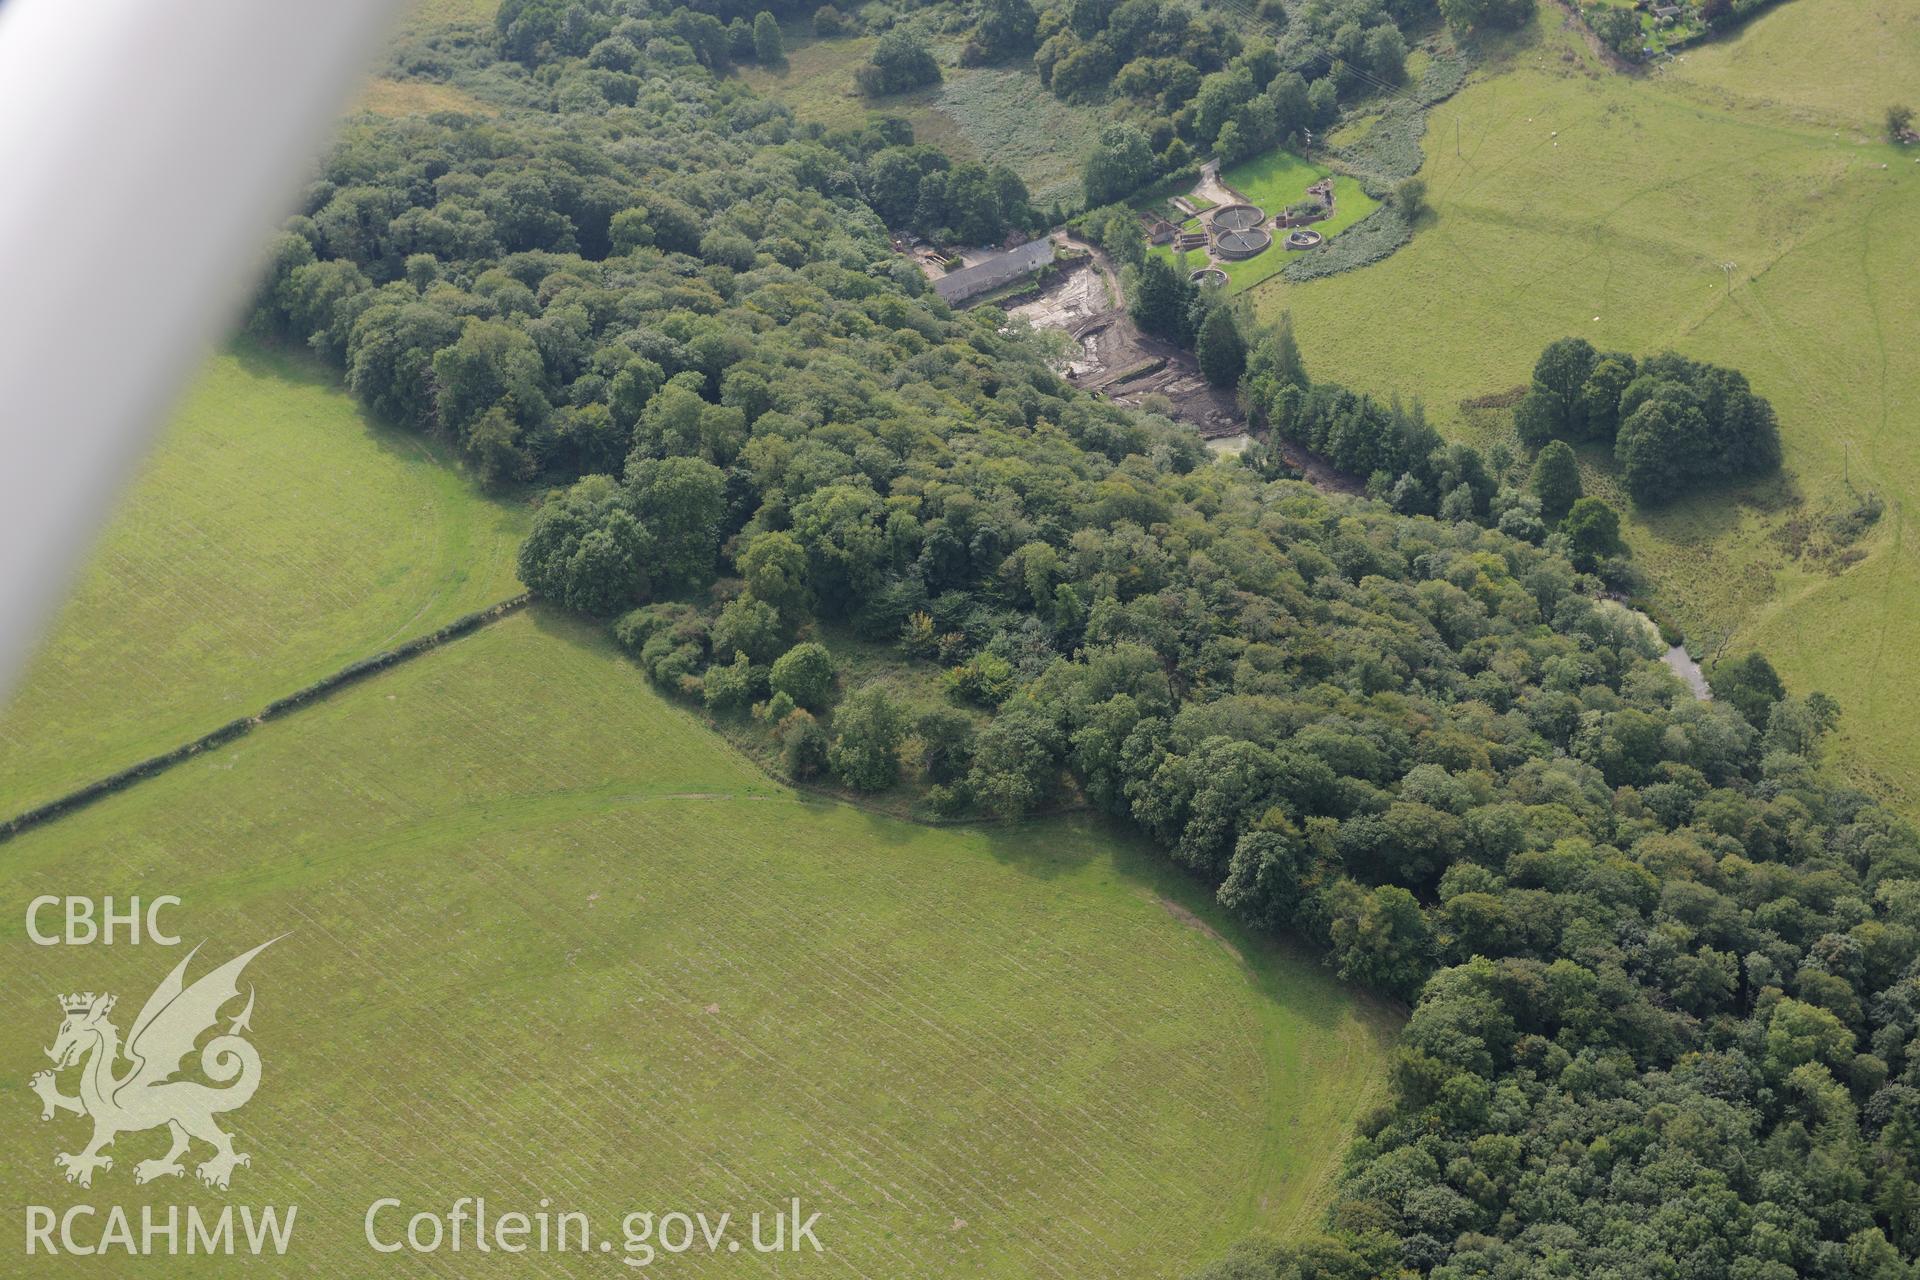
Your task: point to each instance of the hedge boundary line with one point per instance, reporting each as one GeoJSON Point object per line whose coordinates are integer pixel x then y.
{"type": "Point", "coordinates": [350, 674]}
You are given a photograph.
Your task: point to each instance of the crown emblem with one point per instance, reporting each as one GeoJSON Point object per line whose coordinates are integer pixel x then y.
{"type": "Point", "coordinates": [80, 1002]}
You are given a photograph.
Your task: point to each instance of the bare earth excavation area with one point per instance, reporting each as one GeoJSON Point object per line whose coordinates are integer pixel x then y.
{"type": "Point", "coordinates": [1112, 358]}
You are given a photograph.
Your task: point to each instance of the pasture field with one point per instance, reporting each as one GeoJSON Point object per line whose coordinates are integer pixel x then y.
{"type": "Point", "coordinates": [548, 937]}
{"type": "Point", "coordinates": [1832, 63]}
{"type": "Point", "coordinates": [817, 81]}
{"type": "Point", "coordinates": [387, 95]}
{"type": "Point", "coordinates": [1002, 115]}
{"type": "Point", "coordinates": [426, 15]}
{"type": "Point", "coordinates": [272, 537]}
{"type": "Point", "coordinates": [994, 115]}
{"type": "Point", "coordinates": [1656, 212]}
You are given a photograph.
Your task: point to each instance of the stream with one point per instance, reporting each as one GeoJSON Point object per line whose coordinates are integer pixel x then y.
{"type": "Point", "coordinates": [1676, 658]}
{"type": "Point", "coordinates": [1681, 663]}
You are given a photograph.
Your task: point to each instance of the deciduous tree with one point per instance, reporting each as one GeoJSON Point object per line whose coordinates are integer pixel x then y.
{"type": "Point", "coordinates": [680, 501]}
{"type": "Point", "coordinates": [868, 729]}
{"type": "Point", "coordinates": [1592, 529]}
{"type": "Point", "coordinates": [1556, 480]}
{"type": "Point", "coordinates": [1121, 163]}
{"type": "Point", "coordinates": [769, 49]}
{"type": "Point", "coordinates": [805, 673]}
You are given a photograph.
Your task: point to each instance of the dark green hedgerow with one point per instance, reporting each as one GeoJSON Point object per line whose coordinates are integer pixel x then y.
{"type": "Point", "coordinates": [124, 778]}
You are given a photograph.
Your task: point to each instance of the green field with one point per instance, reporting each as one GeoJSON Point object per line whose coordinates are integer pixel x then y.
{"type": "Point", "coordinates": [273, 537]}
{"type": "Point", "coordinates": [1570, 200]}
{"type": "Point", "coordinates": [1836, 63]}
{"type": "Point", "coordinates": [430, 15]}
{"type": "Point", "coordinates": [994, 115]}
{"type": "Point", "coordinates": [549, 937]}
{"type": "Point", "coordinates": [389, 97]}
{"type": "Point", "coordinates": [1273, 181]}
{"type": "Point", "coordinates": [817, 82]}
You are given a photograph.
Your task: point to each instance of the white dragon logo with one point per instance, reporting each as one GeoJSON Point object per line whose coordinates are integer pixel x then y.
{"type": "Point", "coordinates": [147, 1096]}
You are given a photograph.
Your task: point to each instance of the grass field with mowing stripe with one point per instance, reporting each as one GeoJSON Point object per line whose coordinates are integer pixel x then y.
{"type": "Point", "coordinates": [272, 537]}
{"type": "Point", "coordinates": [1273, 181]}
{"type": "Point", "coordinates": [1570, 200]}
{"type": "Point", "coordinates": [549, 937]}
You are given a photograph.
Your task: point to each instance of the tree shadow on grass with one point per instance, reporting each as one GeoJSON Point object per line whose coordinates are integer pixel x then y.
{"type": "Point", "coordinates": [1700, 517]}
{"type": "Point", "coordinates": [273, 358]}
{"type": "Point", "coordinates": [1713, 512]}
{"type": "Point", "coordinates": [264, 357]}
{"type": "Point", "coordinates": [1286, 969]}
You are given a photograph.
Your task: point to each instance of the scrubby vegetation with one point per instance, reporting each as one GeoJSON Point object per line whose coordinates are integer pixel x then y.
{"type": "Point", "coordinates": [1006, 28]}
{"type": "Point", "coordinates": [1384, 161]}
{"type": "Point", "coordinates": [1486, 15]}
{"type": "Point", "coordinates": [1661, 968]}
{"type": "Point", "coordinates": [1615, 26]}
